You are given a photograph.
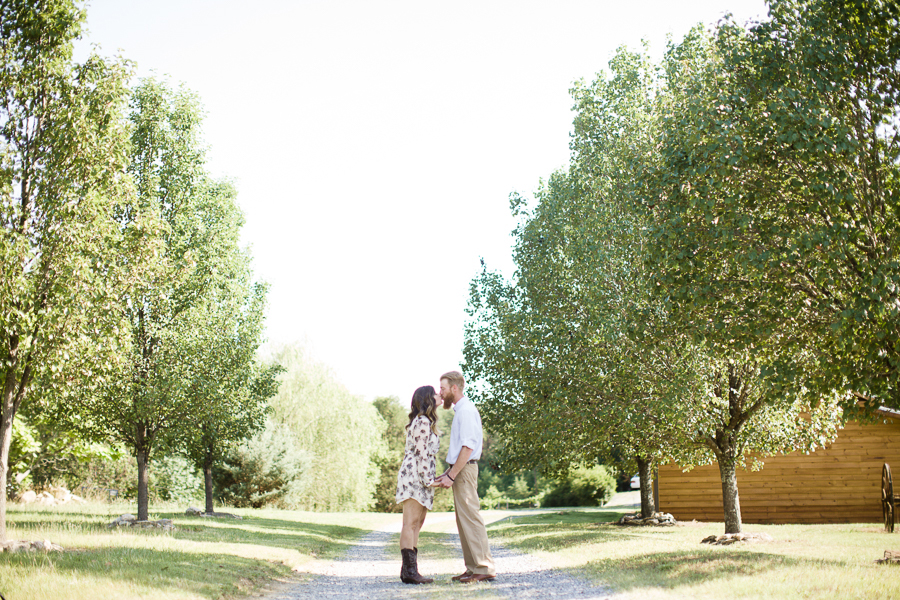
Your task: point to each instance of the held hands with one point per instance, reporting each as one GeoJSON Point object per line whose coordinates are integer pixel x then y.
{"type": "Point", "coordinates": [443, 481]}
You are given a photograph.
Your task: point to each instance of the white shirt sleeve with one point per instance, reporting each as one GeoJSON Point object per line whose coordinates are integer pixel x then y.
{"type": "Point", "coordinates": [469, 429]}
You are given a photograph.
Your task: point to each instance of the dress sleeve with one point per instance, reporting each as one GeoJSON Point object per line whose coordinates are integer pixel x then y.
{"type": "Point", "coordinates": [421, 435]}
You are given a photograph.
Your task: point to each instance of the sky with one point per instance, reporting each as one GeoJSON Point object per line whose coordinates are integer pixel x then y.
{"type": "Point", "coordinates": [374, 145]}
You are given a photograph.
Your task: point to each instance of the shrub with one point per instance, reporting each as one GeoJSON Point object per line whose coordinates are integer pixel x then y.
{"type": "Point", "coordinates": [582, 486]}
{"type": "Point", "coordinates": [175, 479]}
{"type": "Point", "coordinates": [267, 469]}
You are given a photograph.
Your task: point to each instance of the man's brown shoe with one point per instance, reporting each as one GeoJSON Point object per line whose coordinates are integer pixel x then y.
{"type": "Point", "coordinates": [458, 577]}
{"type": "Point", "coordinates": [476, 577]}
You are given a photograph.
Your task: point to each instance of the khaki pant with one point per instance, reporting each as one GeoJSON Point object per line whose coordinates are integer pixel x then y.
{"type": "Point", "coordinates": [472, 534]}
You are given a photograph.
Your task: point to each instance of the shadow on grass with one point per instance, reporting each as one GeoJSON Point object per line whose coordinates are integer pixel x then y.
{"type": "Point", "coordinates": [322, 541]}
{"type": "Point", "coordinates": [207, 575]}
{"type": "Point", "coordinates": [685, 568]}
{"type": "Point", "coordinates": [638, 563]}
{"type": "Point", "coordinates": [554, 531]}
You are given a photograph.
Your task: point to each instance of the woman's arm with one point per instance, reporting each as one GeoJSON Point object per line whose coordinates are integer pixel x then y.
{"type": "Point", "coordinates": [421, 432]}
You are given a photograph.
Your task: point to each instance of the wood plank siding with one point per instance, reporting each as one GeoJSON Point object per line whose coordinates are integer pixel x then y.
{"type": "Point", "coordinates": [837, 484]}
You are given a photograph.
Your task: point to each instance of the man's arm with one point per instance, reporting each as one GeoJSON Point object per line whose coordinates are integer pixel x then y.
{"type": "Point", "coordinates": [446, 480]}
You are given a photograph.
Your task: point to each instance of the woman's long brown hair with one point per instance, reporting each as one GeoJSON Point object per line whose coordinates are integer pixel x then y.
{"type": "Point", "coordinates": [423, 404]}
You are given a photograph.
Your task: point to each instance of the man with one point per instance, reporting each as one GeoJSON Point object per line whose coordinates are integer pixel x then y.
{"type": "Point", "coordinates": [466, 441]}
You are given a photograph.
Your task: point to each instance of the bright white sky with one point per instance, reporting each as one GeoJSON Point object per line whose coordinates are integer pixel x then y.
{"type": "Point", "coordinates": [374, 145]}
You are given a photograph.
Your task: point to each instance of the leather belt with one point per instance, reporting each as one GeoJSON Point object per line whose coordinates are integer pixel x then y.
{"type": "Point", "coordinates": [471, 462]}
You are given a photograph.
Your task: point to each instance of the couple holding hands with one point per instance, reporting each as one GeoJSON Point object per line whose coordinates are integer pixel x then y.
{"type": "Point", "coordinates": [416, 481]}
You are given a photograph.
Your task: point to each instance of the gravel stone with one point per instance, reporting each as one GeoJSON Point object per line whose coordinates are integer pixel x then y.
{"type": "Point", "coordinates": [371, 570]}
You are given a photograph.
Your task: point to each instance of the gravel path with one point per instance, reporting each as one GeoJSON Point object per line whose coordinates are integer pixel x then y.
{"type": "Point", "coordinates": [371, 570]}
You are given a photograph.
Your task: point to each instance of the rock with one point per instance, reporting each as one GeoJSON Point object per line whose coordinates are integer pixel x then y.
{"type": "Point", "coordinates": [891, 557]}
{"type": "Point", "coordinates": [28, 497]}
{"type": "Point", "coordinates": [128, 520]}
{"type": "Point", "coordinates": [61, 494]}
{"type": "Point", "coordinates": [657, 519]}
{"type": "Point", "coordinates": [125, 520]}
{"type": "Point", "coordinates": [26, 546]}
{"type": "Point", "coordinates": [219, 515]}
{"type": "Point", "coordinates": [196, 512]}
{"type": "Point", "coordinates": [733, 538]}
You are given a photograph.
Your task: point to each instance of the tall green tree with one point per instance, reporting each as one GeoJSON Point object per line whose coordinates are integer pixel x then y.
{"type": "Point", "coordinates": [584, 354]}
{"type": "Point", "coordinates": [340, 432]}
{"type": "Point", "coordinates": [776, 202]}
{"type": "Point", "coordinates": [575, 334]}
{"type": "Point", "coordinates": [168, 310]}
{"type": "Point", "coordinates": [760, 380]}
{"type": "Point", "coordinates": [388, 462]}
{"type": "Point", "coordinates": [62, 157]}
{"type": "Point", "coordinates": [226, 380]}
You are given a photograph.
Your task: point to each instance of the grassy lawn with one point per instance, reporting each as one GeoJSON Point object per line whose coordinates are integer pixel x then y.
{"type": "Point", "coordinates": [805, 561]}
{"type": "Point", "coordinates": [204, 558]}
{"type": "Point", "coordinates": [214, 558]}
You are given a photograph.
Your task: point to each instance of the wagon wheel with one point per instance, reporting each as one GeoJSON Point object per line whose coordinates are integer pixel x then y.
{"type": "Point", "coordinates": [888, 508]}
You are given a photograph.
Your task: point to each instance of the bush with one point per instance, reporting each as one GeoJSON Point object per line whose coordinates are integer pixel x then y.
{"type": "Point", "coordinates": [175, 479]}
{"type": "Point", "coordinates": [267, 469]}
{"type": "Point", "coordinates": [582, 486]}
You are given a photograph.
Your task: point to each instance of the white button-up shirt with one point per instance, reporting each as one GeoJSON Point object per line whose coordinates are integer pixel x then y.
{"type": "Point", "coordinates": [465, 431]}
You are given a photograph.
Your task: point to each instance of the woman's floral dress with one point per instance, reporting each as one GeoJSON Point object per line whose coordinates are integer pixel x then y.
{"type": "Point", "coordinates": [418, 466]}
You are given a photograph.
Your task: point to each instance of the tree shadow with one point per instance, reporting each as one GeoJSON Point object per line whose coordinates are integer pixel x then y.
{"type": "Point", "coordinates": [675, 569]}
{"type": "Point", "coordinates": [322, 541]}
{"type": "Point", "coordinates": [206, 575]}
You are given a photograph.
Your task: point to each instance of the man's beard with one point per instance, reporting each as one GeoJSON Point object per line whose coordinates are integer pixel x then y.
{"type": "Point", "coordinates": [448, 402]}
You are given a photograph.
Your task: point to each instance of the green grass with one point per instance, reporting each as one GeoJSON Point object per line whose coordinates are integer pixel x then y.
{"type": "Point", "coordinates": [804, 561]}
{"type": "Point", "coordinates": [217, 558]}
{"type": "Point", "coordinates": [204, 558]}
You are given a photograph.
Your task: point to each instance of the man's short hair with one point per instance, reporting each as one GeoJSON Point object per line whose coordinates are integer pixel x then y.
{"type": "Point", "coordinates": [455, 378]}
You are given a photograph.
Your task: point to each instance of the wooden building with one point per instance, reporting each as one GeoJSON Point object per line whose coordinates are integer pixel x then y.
{"type": "Point", "coordinates": [837, 484]}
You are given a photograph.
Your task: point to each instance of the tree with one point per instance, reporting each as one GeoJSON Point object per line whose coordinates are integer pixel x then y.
{"type": "Point", "coordinates": [62, 156]}
{"type": "Point", "coordinates": [270, 468]}
{"type": "Point", "coordinates": [159, 384]}
{"type": "Point", "coordinates": [777, 199]}
{"type": "Point", "coordinates": [549, 354]}
{"type": "Point", "coordinates": [388, 463]}
{"type": "Point", "coordinates": [226, 381]}
{"type": "Point", "coordinates": [235, 408]}
{"type": "Point", "coordinates": [575, 334]}
{"type": "Point", "coordinates": [340, 432]}
{"type": "Point", "coordinates": [760, 381]}
{"type": "Point", "coordinates": [587, 338]}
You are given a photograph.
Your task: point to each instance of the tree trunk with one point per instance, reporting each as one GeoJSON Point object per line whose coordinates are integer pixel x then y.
{"type": "Point", "coordinates": [143, 464]}
{"type": "Point", "coordinates": [730, 500]}
{"type": "Point", "coordinates": [645, 470]}
{"type": "Point", "coordinates": [5, 442]}
{"type": "Point", "coordinates": [208, 484]}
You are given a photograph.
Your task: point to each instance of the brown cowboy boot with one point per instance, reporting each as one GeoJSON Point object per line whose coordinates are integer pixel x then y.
{"type": "Point", "coordinates": [410, 571]}
{"type": "Point", "coordinates": [416, 568]}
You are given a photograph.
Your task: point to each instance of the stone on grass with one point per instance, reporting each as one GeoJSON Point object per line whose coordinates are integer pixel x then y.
{"type": "Point", "coordinates": [50, 497]}
{"type": "Point", "coordinates": [657, 519]}
{"type": "Point", "coordinates": [733, 538]}
{"type": "Point", "coordinates": [891, 557]}
{"type": "Point", "coordinates": [196, 512]}
{"type": "Point", "coordinates": [128, 520]}
{"type": "Point", "coordinates": [28, 546]}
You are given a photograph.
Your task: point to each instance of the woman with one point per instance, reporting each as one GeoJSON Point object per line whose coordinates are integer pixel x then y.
{"type": "Point", "coordinates": [417, 472]}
